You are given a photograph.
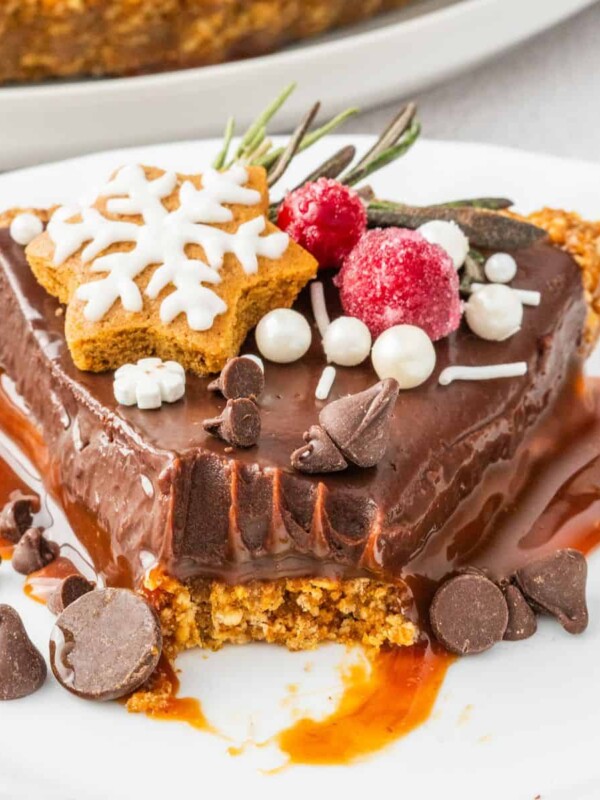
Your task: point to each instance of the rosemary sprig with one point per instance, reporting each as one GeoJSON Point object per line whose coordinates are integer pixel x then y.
{"type": "Point", "coordinates": [221, 157]}
{"type": "Point", "coordinates": [491, 203]}
{"type": "Point", "coordinates": [334, 166]}
{"type": "Point", "coordinates": [478, 217]}
{"type": "Point", "coordinates": [381, 159]}
{"type": "Point", "coordinates": [255, 148]}
{"type": "Point", "coordinates": [311, 138]}
{"type": "Point", "coordinates": [259, 151]}
{"type": "Point", "coordinates": [390, 135]}
{"type": "Point", "coordinates": [484, 228]}
{"type": "Point", "coordinates": [262, 120]}
{"type": "Point", "coordinates": [253, 145]}
{"type": "Point", "coordinates": [285, 159]}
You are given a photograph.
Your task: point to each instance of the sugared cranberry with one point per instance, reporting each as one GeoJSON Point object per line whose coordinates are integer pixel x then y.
{"type": "Point", "coordinates": [394, 277]}
{"type": "Point", "coordinates": [326, 218]}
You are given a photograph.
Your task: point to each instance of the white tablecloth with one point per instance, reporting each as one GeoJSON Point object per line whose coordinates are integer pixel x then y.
{"type": "Point", "coordinates": [543, 95]}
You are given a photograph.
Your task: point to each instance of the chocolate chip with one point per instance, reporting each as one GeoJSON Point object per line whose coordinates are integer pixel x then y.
{"type": "Point", "coordinates": [319, 454]}
{"type": "Point", "coordinates": [556, 585]}
{"type": "Point", "coordinates": [359, 424]}
{"type": "Point", "coordinates": [522, 622]}
{"type": "Point", "coordinates": [105, 644]}
{"type": "Point", "coordinates": [239, 424]}
{"type": "Point", "coordinates": [33, 552]}
{"type": "Point", "coordinates": [17, 515]}
{"type": "Point", "coordinates": [468, 614]}
{"type": "Point", "coordinates": [22, 667]}
{"type": "Point", "coordinates": [240, 377]}
{"type": "Point", "coordinates": [69, 590]}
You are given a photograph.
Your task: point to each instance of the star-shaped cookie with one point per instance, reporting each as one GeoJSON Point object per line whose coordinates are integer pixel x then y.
{"type": "Point", "coordinates": [169, 265]}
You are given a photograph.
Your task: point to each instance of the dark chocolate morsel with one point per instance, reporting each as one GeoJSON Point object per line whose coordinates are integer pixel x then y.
{"type": "Point", "coordinates": [17, 515]}
{"type": "Point", "coordinates": [318, 455]}
{"type": "Point", "coordinates": [22, 667]}
{"type": "Point", "coordinates": [556, 585]}
{"type": "Point", "coordinates": [240, 377]}
{"type": "Point", "coordinates": [33, 552]}
{"type": "Point", "coordinates": [105, 644]}
{"type": "Point", "coordinates": [359, 424]}
{"type": "Point", "coordinates": [522, 622]}
{"type": "Point", "coordinates": [69, 590]}
{"type": "Point", "coordinates": [239, 424]}
{"type": "Point", "coordinates": [468, 614]}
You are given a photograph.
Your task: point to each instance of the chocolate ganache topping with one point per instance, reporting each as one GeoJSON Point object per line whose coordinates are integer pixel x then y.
{"type": "Point", "coordinates": [157, 482]}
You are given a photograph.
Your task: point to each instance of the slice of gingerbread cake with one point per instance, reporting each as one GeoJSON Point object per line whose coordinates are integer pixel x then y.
{"type": "Point", "coordinates": [306, 420]}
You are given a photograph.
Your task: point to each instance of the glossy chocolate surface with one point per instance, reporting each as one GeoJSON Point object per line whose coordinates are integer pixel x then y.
{"type": "Point", "coordinates": [159, 484]}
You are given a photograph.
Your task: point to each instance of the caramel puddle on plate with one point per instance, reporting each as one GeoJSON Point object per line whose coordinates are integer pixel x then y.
{"type": "Point", "coordinates": [382, 700]}
{"type": "Point", "coordinates": [380, 703]}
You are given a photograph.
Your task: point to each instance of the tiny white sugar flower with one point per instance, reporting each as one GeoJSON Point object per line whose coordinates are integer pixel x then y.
{"type": "Point", "coordinates": [149, 383]}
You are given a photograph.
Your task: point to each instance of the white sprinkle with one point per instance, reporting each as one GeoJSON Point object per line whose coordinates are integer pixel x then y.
{"type": "Point", "coordinates": [325, 383]}
{"type": "Point", "coordinates": [319, 308]}
{"type": "Point", "coordinates": [25, 227]}
{"type": "Point", "coordinates": [527, 296]}
{"type": "Point", "coordinates": [257, 360]}
{"type": "Point", "coordinates": [488, 373]}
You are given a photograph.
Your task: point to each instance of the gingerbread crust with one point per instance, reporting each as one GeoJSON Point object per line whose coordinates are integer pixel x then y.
{"type": "Point", "coordinates": [299, 613]}
{"type": "Point", "coordinates": [61, 38]}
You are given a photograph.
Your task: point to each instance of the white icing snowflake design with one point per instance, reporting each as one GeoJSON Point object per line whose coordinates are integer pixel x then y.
{"type": "Point", "coordinates": [161, 239]}
{"type": "Point", "coordinates": [149, 383]}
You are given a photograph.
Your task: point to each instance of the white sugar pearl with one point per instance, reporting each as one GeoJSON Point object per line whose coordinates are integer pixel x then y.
{"type": "Point", "coordinates": [494, 312]}
{"type": "Point", "coordinates": [406, 353]}
{"type": "Point", "coordinates": [25, 227]}
{"type": "Point", "coordinates": [347, 342]}
{"type": "Point", "coordinates": [283, 336]}
{"type": "Point", "coordinates": [500, 268]}
{"type": "Point", "coordinates": [449, 237]}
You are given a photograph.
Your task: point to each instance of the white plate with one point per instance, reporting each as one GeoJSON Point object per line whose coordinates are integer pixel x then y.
{"type": "Point", "coordinates": [390, 57]}
{"type": "Point", "coordinates": [531, 726]}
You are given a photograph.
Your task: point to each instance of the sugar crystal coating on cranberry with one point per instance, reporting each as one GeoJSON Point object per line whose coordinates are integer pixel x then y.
{"type": "Point", "coordinates": [326, 218]}
{"type": "Point", "coordinates": [396, 277]}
